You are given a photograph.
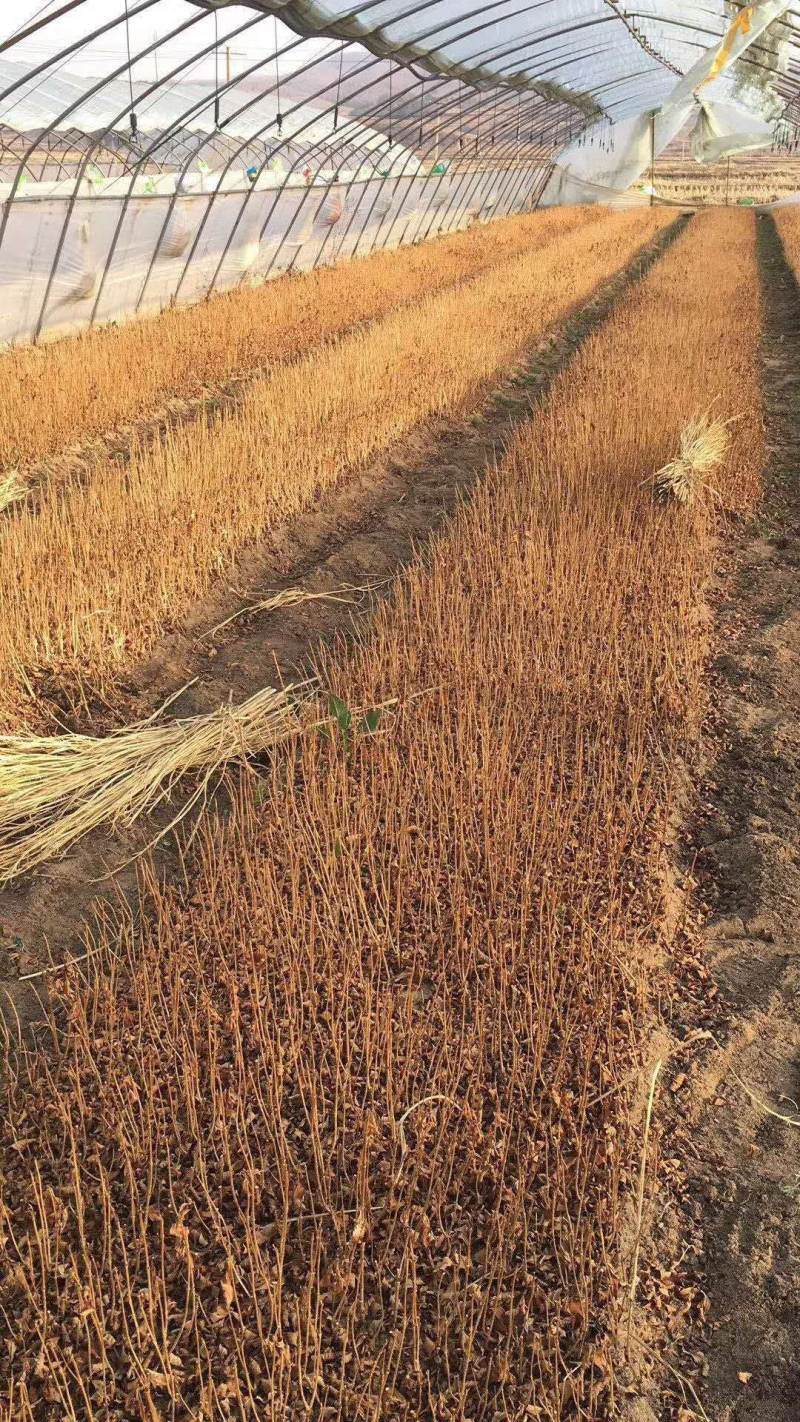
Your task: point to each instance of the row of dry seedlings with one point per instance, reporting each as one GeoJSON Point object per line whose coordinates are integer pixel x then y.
{"type": "Point", "coordinates": [761, 177]}
{"type": "Point", "coordinates": [705, 187]}
{"type": "Point", "coordinates": [89, 385]}
{"type": "Point", "coordinates": [97, 571]}
{"type": "Point", "coordinates": [787, 221]}
{"type": "Point", "coordinates": [340, 1132]}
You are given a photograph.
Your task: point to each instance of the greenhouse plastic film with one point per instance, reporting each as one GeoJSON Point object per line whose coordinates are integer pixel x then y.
{"type": "Point", "coordinates": [122, 256]}
{"type": "Point", "coordinates": [209, 185]}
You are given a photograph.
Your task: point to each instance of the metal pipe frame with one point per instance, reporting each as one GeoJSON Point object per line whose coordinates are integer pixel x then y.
{"type": "Point", "coordinates": [340, 28]}
{"type": "Point", "coordinates": [183, 119]}
{"type": "Point", "coordinates": [368, 118]}
{"type": "Point", "coordinates": [252, 137]}
{"type": "Point", "coordinates": [507, 90]}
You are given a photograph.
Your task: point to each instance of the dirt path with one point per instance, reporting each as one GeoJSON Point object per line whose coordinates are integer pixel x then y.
{"type": "Point", "coordinates": [362, 533]}
{"type": "Point", "coordinates": [748, 1172]}
{"type": "Point", "coordinates": [728, 1194]}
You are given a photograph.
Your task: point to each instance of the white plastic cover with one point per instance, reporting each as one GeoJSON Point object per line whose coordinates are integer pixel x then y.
{"type": "Point", "coordinates": [746, 26]}
{"type": "Point", "coordinates": [51, 101]}
{"type": "Point", "coordinates": [582, 166]}
{"type": "Point", "coordinates": [115, 257]}
{"type": "Point", "coordinates": [735, 106]}
{"type": "Point", "coordinates": [589, 48]}
{"type": "Point", "coordinates": [723, 129]}
{"type": "Point", "coordinates": [90, 248]}
{"type": "Point", "coordinates": [580, 45]}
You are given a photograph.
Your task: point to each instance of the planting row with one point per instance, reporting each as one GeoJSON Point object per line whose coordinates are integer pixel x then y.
{"type": "Point", "coordinates": [97, 571]}
{"type": "Point", "coordinates": [787, 221]}
{"type": "Point", "coordinates": [54, 396]}
{"type": "Point", "coordinates": [342, 1129]}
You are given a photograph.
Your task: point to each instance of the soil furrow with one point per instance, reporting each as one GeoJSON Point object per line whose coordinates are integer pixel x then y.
{"type": "Point", "coordinates": [728, 1193]}
{"type": "Point", "coordinates": [749, 1162]}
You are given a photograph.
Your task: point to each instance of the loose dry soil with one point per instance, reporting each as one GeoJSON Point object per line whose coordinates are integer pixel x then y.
{"type": "Point", "coordinates": [722, 1271]}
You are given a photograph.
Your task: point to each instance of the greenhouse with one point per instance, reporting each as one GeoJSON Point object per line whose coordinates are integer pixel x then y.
{"type": "Point", "coordinates": [121, 195]}
{"type": "Point", "coordinates": [399, 711]}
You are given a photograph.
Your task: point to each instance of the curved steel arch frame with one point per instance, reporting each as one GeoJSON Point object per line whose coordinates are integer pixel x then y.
{"type": "Point", "coordinates": [397, 145]}
{"type": "Point", "coordinates": [364, 132]}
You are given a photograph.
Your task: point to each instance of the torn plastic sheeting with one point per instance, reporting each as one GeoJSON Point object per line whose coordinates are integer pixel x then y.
{"type": "Point", "coordinates": [745, 27]}
{"type": "Point", "coordinates": [568, 189]}
{"type": "Point", "coordinates": [635, 142]}
{"type": "Point", "coordinates": [723, 129]}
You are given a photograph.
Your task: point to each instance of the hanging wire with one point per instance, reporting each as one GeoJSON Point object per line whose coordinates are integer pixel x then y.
{"type": "Point", "coordinates": [390, 103]}
{"type": "Point", "coordinates": [216, 69]}
{"type": "Point", "coordinates": [134, 120]}
{"type": "Point", "coordinates": [421, 111]}
{"type": "Point", "coordinates": [279, 115]}
{"type": "Point", "coordinates": [338, 91]}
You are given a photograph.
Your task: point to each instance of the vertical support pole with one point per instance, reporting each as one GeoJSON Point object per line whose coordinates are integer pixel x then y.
{"type": "Point", "coordinates": [652, 153]}
{"type": "Point", "coordinates": [228, 62]}
{"type": "Point", "coordinates": [728, 181]}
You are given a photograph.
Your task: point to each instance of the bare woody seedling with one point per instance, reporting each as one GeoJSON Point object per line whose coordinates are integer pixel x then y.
{"type": "Point", "coordinates": [342, 1128]}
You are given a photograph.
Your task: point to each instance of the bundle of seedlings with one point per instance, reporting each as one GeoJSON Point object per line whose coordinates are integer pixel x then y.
{"type": "Point", "coordinates": [704, 444]}
{"type": "Point", "coordinates": [56, 789]}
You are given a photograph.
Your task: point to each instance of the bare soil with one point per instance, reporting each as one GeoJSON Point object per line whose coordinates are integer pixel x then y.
{"type": "Point", "coordinates": [748, 1168]}
{"type": "Point", "coordinates": [720, 1276]}
{"type": "Point", "coordinates": [360, 535]}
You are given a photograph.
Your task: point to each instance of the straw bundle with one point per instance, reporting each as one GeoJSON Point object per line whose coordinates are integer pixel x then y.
{"type": "Point", "coordinates": [56, 789]}
{"type": "Point", "coordinates": [12, 488]}
{"type": "Point", "coordinates": [703, 446]}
